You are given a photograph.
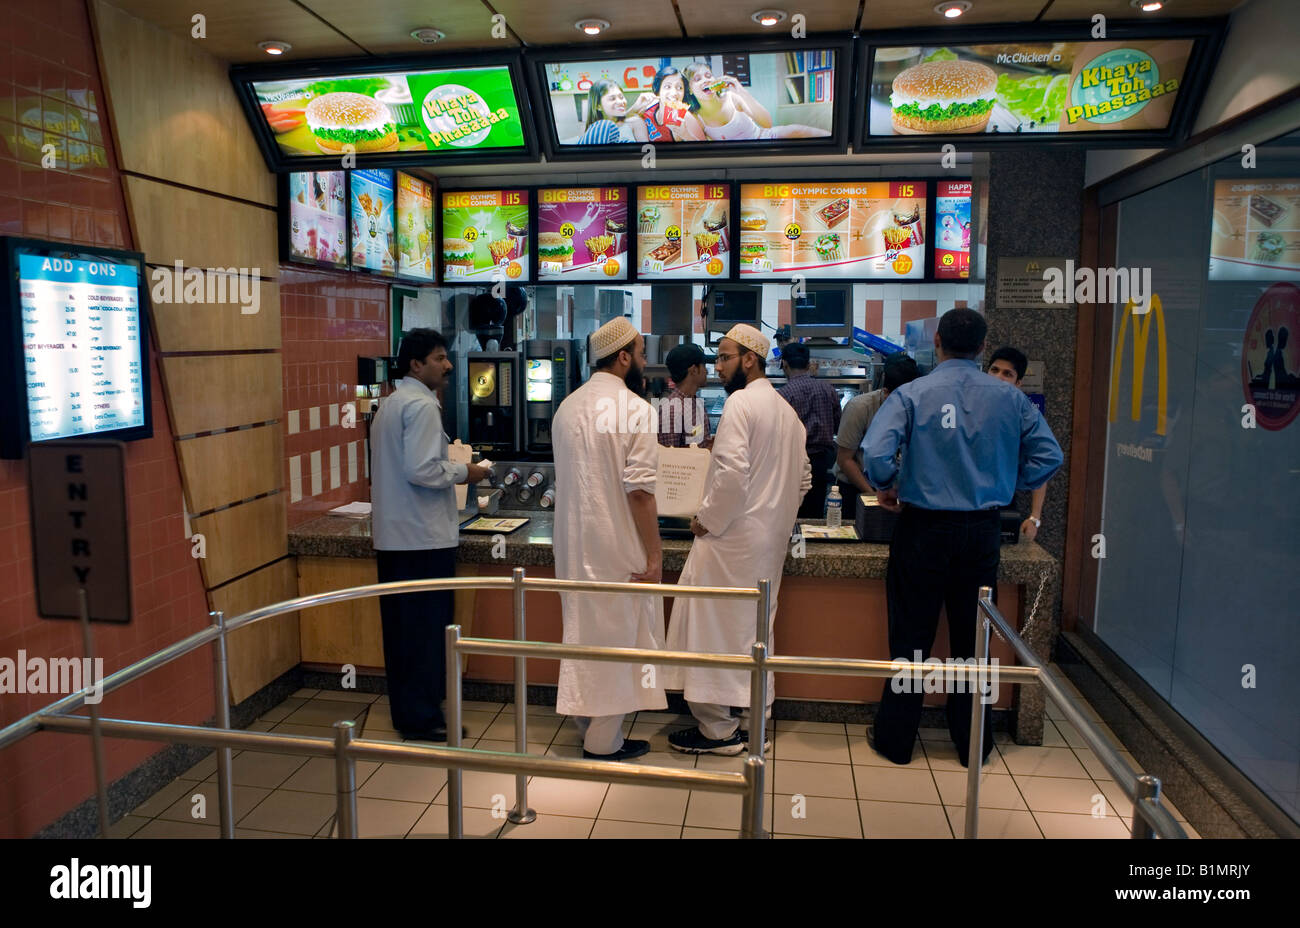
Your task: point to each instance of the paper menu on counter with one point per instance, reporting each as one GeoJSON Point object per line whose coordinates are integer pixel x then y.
{"type": "Point", "coordinates": [679, 485]}
{"type": "Point", "coordinates": [458, 453]}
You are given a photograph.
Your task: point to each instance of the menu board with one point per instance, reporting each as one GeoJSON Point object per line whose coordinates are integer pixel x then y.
{"type": "Point", "coordinates": [444, 111]}
{"type": "Point", "coordinates": [682, 231]}
{"type": "Point", "coordinates": [82, 346]}
{"type": "Point", "coordinates": [952, 200]}
{"type": "Point", "coordinates": [870, 230]}
{"type": "Point", "coordinates": [1094, 86]}
{"type": "Point", "coordinates": [485, 235]}
{"type": "Point", "coordinates": [374, 244]}
{"type": "Point", "coordinates": [1255, 232]}
{"type": "Point", "coordinates": [318, 217]}
{"type": "Point", "coordinates": [582, 233]}
{"type": "Point", "coordinates": [414, 227]}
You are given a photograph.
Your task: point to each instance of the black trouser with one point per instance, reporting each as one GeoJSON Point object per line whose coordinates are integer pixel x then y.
{"type": "Point", "coordinates": [415, 638]}
{"type": "Point", "coordinates": [814, 501]}
{"type": "Point", "coordinates": [936, 559]}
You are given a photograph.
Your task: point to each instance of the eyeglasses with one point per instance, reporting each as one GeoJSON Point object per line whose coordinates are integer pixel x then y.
{"type": "Point", "coordinates": [726, 357]}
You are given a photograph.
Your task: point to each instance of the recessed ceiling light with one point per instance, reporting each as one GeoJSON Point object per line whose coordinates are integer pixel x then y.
{"type": "Point", "coordinates": [591, 26]}
{"type": "Point", "coordinates": [1148, 6]}
{"type": "Point", "coordinates": [428, 35]}
{"type": "Point", "coordinates": [274, 48]}
{"type": "Point", "coordinates": [769, 17]}
{"type": "Point", "coordinates": [952, 8]}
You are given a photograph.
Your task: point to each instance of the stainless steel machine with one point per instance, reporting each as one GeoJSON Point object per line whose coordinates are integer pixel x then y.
{"type": "Point", "coordinates": [495, 415]}
{"type": "Point", "coordinates": [552, 370]}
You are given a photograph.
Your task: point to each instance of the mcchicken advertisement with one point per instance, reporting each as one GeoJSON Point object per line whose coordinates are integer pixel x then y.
{"type": "Point", "coordinates": [428, 111]}
{"type": "Point", "coordinates": [682, 231]}
{"type": "Point", "coordinates": [867, 230]}
{"type": "Point", "coordinates": [582, 233]}
{"type": "Point", "coordinates": [1099, 86]}
{"type": "Point", "coordinates": [485, 233]}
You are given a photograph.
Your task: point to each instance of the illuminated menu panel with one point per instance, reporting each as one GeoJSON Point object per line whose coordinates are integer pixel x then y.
{"type": "Point", "coordinates": [414, 227]}
{"type": "Point", "coordinates": [872, 230]}
{"type": "Point", "coordinates": [374, 242]}
{"type": "Point", "coordinates": [485, 235]}
{"type": "Point", "coordinates": [82, 349]}
{"type": "Point", "coordinates": [1255, 230]}
{"type": "Point", "coordinates": [683, 232]}
{"type": "Point", "coordinates": [318, 217]}
{"type": "Point", "coordinates": [582, 233]}
{"type": "Point", "coordinates": [952, 229]}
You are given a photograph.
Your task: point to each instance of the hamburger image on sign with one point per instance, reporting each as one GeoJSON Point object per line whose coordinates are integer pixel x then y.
{"type": "Point", "coordinates": [751, 218]}
{"type": "Point", "coordinates": [340, 119]}
{"type": "Point", "coordinates": [456, 252]}
{"type": "Point", "coordinates": [554, 247]}
{"type": "Point", "coordinates": [943, 97]}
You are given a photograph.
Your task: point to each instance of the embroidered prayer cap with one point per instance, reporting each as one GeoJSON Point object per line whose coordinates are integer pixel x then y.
{"type": "Point", "coordinates": [613, 335]}
{"type": "Point", "coordinates": [749, 337]}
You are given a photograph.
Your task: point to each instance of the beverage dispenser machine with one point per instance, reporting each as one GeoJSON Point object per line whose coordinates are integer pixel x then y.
{"type": "Point", "coordinates": [552, 370]}
{"type": "Point", "coordinates": [495, 417]}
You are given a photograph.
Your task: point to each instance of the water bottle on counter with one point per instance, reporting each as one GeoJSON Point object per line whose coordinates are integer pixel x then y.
{"type": "Point", "coordinates": [834, 508]}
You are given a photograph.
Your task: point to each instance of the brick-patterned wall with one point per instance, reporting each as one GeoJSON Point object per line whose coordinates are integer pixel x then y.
{"type": "Point", "coordinates": [327, 320]}
{"type": "Point", "coordinates": [52, 94]}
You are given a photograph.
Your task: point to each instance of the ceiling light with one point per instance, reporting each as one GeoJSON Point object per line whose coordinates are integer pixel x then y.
{"type": "Point", "coordinates": [952, 8]}
{"type": "Point", "coordinates": [274, 48]}
{"type": "Point", "coordinates": [1148, 6]}
{"type": "Point", "coordinates": [591, 26]}
{"type": "Point", "coordinates": [769, 17]}
{"type": "Point", "coordinates": [428, 35]}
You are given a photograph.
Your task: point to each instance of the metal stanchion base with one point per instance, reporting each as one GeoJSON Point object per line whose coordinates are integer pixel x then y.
{"type": "Point", "coordinates": [526, 817]}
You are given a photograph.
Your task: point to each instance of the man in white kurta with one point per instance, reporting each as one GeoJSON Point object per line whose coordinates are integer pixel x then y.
{"type": "Point", "coordinates": [757, 477]}
{"type": "Point", "coordinates": [606, 528]}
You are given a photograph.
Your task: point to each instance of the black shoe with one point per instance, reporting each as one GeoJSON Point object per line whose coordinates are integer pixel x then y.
{"type": "Point", "coordinates": [767, 742]}
{"type": "Point", "coordinates": [692, 741]}
{"type": "Point", "coordinates": [871, 742]}
{"type": "Point", "coordinates": [629, 750]}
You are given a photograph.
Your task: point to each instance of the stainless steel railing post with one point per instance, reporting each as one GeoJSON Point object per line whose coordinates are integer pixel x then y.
{"type": "Point", "coordinates": [758, 680]}
{"type": "Point", "coordinates": [96, 736]}
{"type": "Point", "coordinates": [455, 810]}
{"type": "Point", "coordinates": [225, 764]}
{"type": "Point", "coordinates": [751, 806]}
{"type": "Point", "coordinates": [975, 750]}
{"type": "Point", "coordinates": [1148, 787]}
{"type": "Point", "coordinates": [521, 814]}
{"type": "Point", "coordinates": [345, 778]}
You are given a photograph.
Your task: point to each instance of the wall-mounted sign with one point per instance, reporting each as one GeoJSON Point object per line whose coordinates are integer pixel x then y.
{"type": "Point", "coordinates": [1021, 284]}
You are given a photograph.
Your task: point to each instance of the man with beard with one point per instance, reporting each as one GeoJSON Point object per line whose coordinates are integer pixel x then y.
{"type": "Point", "coordinates": [757, 477]}
{"type": "Point", "coordinates": [607, 529]}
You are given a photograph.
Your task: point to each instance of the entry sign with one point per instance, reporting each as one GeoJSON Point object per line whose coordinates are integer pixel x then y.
{"type": "Point", "coordinates": [79, 534]}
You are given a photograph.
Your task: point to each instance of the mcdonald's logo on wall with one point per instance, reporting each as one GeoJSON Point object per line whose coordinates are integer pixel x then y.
{"type": "Point", "coordinates": [1142, 323]}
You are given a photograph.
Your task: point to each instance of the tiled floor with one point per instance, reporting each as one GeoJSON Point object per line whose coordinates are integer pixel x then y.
{"type": "Point", "coordinates": [824, 781]}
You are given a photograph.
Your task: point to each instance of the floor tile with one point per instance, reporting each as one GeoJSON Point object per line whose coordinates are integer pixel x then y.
{"type": "Point", "coordinates": [550, 826]}
{"type": "Point", "coordinates": [995, 823]}
{"type": "Point", "coordinates": [478, 723]}
{"type": "Point", "coordinates": [669, 758]}
{"type": "Point", "coordinates": [241, 833]}
{"type": "Point", "coordinates": [834, 780]}
{"type": "Point", "coordinates": [860, 752]}
{"type": "Point", "coordinates": [997, 790]}
{"type": "Point", "coordinates": [470, 705]}
{"type": "Point", "coordinates": [1097, 770]}
{"type": "Point", "coordinates": [484, 790]}
{"type": "Point", "coordinates": [1029, 760]}
{"type": "Point", "coordinates": [1062, 825]}
{"type": "Point", "coordinates": [816, 815]}
{"type": "Point", "coordinates": [268, 771]}
{"type": "Point", "coordinates": [812, 746]}
{"type": "Point", "coordinates": [666, 718]}
{"type": "Point", "coordinates": [606, 828]}
{"type": "Point", "coordinates": [126, 826]}
{"type": "Point", "coordinates": [348, 696]}
{"type": "Point", "coordinates": [183, 809]}
{"type": "Point", "coordinates": [1052, 738]}
{"type": "Point", "coordinates": [203, 769]}
{"type": "Point", "coordinates": [570, 751]}
{"type": "Point", "coordinates": [165, 797]}
{"type": "Point", "coordinates": [379, 717]}
{"type": "Point", "coordinates": [1075, 739]}
{"type": "Point", "coordinates": [325, 712]}
{"type": "Point", "coordinates": [261, 725]}
{"type": "Point", "coordinates": [507, 747]}
{"type": "Point", "coordinates": [654, 732]}
{"type": "Point", "coordinates": [932, 734]}
{"type": "Point", "coordinates": [293, 728]}
{"type": "Point", "coordinates": [655, 804]}
{"type": "Point", "coordinates": [404, 782]}
{"type": "Point", "coordinates": [375, 732]}
{"type": "Point", "coordinates": [304, 694]}
{"type": "Point", "coordinates": [162, 828]}
{"type": "Point", "coordinates": [720, 810]}
{"type": "Point", "coordinates": [568, 732]}
{"type": "Point", "coordinates": [291, 812]}
{"type": "Point", "coordinates": [903, 820]}
{"type": "Point", "coordinates": [895, 784]}
{"type": "Point", "coordinates": [387, 818]}
{"type": "Point", "coordinates": [577, 798]}
{"type": "Point", "coordinates": [733, 764]}
{"type": "Point", "coordinates": [816, 728]}
{"type": "Point", "coordinates": [941, 755]}
{"type": "Point", "coordinates": [317, 776]}
{"type": "Point", "coordinates": [711, 833]}
{"type": "Point", "coordinates": [283, 710]}
{"type": "Point", "coordinates": [539, 729]}
{"type": "Point", "coordinates": [1059, 794]}
{"type": "Point", "coordinates": [1122, 806]}
{"type": "Point", "coordinates": [476, 823]}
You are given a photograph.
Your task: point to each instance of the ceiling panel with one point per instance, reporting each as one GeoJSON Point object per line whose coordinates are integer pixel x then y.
{"type": "Point", "coordinates": [732, 17]}
{"type": "Point", "coordinates": [1122, 9]}
{"type": "Point", "coordinates": [383, 27]}
{"type": "Point", "coordinates": [912, 14]}
{"type": "Point", "coordinates": [234, 27]}
{"type": "Point", "coordinates": [549, 23]}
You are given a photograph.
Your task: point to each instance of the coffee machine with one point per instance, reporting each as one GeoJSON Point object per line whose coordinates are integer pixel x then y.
{"type": "Point", "coordinates": [552, 370]}
{"type": "Point", "coordinates": [495, 416]}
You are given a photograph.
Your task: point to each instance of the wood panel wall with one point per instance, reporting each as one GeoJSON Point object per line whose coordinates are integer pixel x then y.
{"type": "Point", "coordinates": [198, 192]}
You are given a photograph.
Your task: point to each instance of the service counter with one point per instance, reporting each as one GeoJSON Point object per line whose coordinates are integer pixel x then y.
{"type": "Point", "coordinates": [831, 604]}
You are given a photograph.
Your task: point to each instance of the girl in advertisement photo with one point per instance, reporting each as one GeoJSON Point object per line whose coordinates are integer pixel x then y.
{"type": "Point", "coordinates": [728, 111]}
{"type": "Point", "coordinates": [667, 118]}
{"type": "Point", "coordinates": [609, 119]}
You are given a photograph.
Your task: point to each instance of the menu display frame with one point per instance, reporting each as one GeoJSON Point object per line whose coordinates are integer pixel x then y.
{"type": "Point", "coordinates": [244, 76]}
{"type": "Point", "coordinates": [435, 201]}
{"type": "Point", "coordinates": [767, 277]}
{"type": "Point", "coordinates": [536, 60]}
{"type": "Point", "coordinates": [1206, 34]}
{"type": "Point", "coordinates": [625, 275]}
{"type": "Point", "coordinates": [528, 277]}
{"type": "Point", "coordinates": [937, 235]}
{"type": "Point", "coordinates": [15, 417]}
{"type": "Point", "coordinates": [285, 220]}
{"type": "Point", "coordinates": [731, 198]}
{"type": "Point", "coordinates": [360, 268]}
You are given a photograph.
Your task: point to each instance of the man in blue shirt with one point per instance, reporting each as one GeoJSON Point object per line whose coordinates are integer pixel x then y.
{"type": "Point", "coordinates": [415, 532]}
{"type": "Point", "coordinates": [969, 441]}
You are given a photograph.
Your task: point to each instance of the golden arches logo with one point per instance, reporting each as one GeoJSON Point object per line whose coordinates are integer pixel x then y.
{"type": "Point", "coordinates": [1141, 331]}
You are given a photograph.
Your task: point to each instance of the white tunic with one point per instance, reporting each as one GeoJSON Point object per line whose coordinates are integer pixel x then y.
{"type": "Point", "coordinates": [757, 478]}
{"type": "Point", "coordinates": [605, 444]}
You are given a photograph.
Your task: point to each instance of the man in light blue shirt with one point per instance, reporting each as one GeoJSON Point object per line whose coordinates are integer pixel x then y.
{"type": "Point", "coordinates": [968, 442]}
{"type": "Point", "coordinates": [415, 531]}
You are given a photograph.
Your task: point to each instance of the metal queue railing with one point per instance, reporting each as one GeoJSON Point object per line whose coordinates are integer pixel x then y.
{"type": "Point", "coordinates": [1150, 816]}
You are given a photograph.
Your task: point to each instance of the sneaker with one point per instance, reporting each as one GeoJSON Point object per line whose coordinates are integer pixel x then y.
{"type": "Point", "coordinates": [692, 741]}
{"type": "Point", "coordinates": [629, 750]}
{"type": "Point", "coordinates": [767, 742]}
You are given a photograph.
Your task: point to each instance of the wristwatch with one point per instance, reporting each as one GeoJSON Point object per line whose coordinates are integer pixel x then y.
{"type": "Point", "coordinates": [1038, 523]}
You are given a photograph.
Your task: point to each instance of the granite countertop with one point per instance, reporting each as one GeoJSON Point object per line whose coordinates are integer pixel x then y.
{"type": "Point", "coordinates": [530, 546]}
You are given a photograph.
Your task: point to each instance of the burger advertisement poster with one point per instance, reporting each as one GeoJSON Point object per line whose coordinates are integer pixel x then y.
{"type": "Point", "coordinates": [318, 217]}
{"type": "Point", "coordinates": [582, 233]}
{"type": "Point", "coordinates": [414, 227]}
{"type": "Point", "coordinates": [952, 229]}
{"type": "Point", "coordinates": [1097, 86]}
{"type": "Point", "coordinates": [872, 230]}
{"type": "Point", "coordinates": [485, 235]}
{"type": "Point", "coordinates": [1255, 230]}
{"type": "Point", "coordinates": [374, 245]}
{"type": "Point", "coordinates": [446, 111]}
{"type": "Point", "coordinates": [682, 232]}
